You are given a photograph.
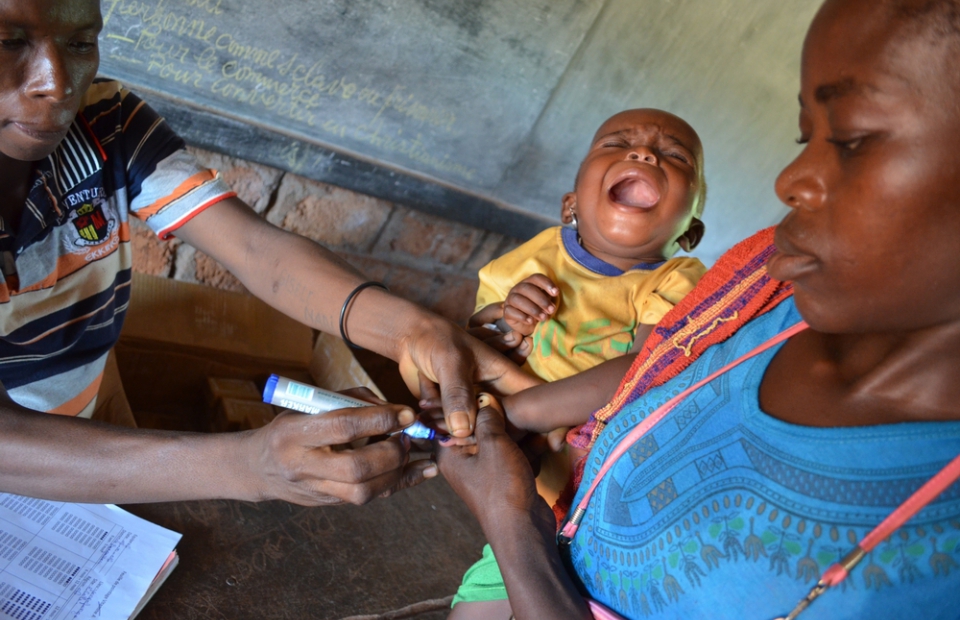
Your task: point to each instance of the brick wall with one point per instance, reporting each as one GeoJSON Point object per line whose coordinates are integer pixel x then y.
{"type": "Point", "coordinates": [427, 259]}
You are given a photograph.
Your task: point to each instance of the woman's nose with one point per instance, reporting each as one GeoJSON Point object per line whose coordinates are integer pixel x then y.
{"type": "Point", "coordinates": [643, 154]}
{"type": "Point", "coordinates": [799, 186]}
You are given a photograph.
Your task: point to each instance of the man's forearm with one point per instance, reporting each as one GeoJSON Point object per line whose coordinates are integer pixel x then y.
{"type": "Point", "coordinates": [299, 277]}
{"type": "Point", "coordinates": [58, 458]}
{"type": "Point", "coordinates": [311, 284]}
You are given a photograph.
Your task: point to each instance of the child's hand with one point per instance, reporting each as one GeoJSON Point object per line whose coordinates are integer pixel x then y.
{"type": "Point", "coordinates": [488, 326]}
{"type": "Point", "coordinates": [529, 302]}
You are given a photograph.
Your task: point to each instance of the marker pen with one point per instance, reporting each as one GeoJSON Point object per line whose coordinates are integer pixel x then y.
{"type": "Point", "coordinates": [290, 394]}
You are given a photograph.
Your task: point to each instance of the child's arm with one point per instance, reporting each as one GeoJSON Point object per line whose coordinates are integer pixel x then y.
{"type": "Point", "coordinates": [640, 336]}
{"type": "Point", "coordinates": [567, 402]}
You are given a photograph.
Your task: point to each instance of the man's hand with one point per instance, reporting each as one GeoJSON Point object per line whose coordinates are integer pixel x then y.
{"type": "Point", "coordinates": [293, 459]}
{"type": "Point", "coordinates": [307, 282]}
{"type": "Point", "coordinates": [529, 302]}
{"type": "Point", "coordinates": [438, 351]}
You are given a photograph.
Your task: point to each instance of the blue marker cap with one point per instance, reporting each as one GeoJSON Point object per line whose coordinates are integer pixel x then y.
{"type": "Point", "coordinates": [270, 388]}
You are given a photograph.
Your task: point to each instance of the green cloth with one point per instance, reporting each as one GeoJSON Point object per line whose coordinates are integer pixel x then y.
{"type": "Point", "coordinates": [482, 581]}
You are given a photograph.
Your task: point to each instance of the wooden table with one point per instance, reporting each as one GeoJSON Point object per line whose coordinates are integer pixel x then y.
{"type": "Point", "coordinates": [394, 558]}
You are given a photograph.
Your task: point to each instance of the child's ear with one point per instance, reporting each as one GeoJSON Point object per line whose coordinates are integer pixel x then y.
{"type": "Point", "coordinates": [568, 207]}
{"type": "Point", "coordinates": [691, 239]}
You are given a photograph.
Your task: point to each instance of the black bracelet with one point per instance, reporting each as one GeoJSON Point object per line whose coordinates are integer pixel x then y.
{"type": "Point", "coordinates": [346, 304]}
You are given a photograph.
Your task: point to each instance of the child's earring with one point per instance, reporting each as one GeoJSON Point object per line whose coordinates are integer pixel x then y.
{"type": "Point", "coordinates": [691, 239]}
{"type": "Point", "coordinates": [568, 210]}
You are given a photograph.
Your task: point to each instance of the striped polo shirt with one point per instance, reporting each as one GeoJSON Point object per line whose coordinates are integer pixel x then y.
{"type": "Point", "coordinates": [66, 271]}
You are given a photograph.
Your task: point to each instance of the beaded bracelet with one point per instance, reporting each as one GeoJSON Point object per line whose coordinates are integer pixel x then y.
{"type": "Point", "coordinates": [346, 304]}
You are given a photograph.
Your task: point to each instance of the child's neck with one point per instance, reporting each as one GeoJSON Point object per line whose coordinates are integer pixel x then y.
{"type": "Point", "coordinates": [623, 263]}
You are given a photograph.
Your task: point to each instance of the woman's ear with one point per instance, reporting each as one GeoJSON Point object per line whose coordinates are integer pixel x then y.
{"type": "Point", "coordinates": [691, 239]}
{"type": "Point", "coordinates": [568, 207]}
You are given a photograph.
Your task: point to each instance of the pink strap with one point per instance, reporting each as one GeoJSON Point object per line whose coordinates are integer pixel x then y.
{"type": "Point", "coordinates": [570, 529]}
{"type": "Point", "coordinates": [905, 511]}
{"type": "Point", "coordinates": [602, 613]}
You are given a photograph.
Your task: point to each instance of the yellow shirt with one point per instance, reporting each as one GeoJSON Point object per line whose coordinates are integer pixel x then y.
{"type": "Point", "coordinates": [599, 306]}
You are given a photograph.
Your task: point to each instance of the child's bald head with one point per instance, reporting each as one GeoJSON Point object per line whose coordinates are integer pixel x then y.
{"type": "Point", "coordinates": [937, 19]}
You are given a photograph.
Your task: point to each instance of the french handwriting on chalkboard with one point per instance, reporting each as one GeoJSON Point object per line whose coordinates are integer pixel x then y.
{"type": "Point", "coordinates": [194, 45]}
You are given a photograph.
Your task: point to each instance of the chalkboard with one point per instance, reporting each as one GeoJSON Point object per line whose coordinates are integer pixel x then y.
{"type": "Point", "coordinates": [444, 91]}
{"type": "Point", "coordinates": [478, 110]}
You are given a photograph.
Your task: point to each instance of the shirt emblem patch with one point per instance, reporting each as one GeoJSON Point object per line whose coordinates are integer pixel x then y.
{"type": "Point", "coordinates": [92, 225]}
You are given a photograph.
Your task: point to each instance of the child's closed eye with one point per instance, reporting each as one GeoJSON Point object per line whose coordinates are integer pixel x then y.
{"type": "Point", "coordinates": [615, 144]}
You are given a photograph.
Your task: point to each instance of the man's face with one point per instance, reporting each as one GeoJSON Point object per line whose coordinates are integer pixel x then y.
{"type": "Point", "coordinates": [872, 241]}
{"type": "Point", "coordinates": [48, 59]}
{"type": "Point", "coordinates": [637, 186]}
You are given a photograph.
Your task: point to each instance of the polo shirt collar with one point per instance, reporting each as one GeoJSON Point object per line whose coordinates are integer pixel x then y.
{"type": "Point", "coordinates": [76, 159]}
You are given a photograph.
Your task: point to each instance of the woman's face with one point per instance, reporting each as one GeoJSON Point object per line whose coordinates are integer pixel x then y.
{"type": "Point", "coordinates": [872, 241]}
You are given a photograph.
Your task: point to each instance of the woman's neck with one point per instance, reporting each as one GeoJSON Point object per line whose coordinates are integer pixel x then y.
{"type": "Point", "coordinates": [865, 379]}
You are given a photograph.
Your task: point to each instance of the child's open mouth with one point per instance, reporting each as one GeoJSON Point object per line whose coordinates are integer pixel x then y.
{"type": "Point", "coordinates": [635, 192]}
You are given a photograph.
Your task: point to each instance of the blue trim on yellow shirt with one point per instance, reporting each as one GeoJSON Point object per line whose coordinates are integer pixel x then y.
{"type": "Point", "coordinates": [594, 264]}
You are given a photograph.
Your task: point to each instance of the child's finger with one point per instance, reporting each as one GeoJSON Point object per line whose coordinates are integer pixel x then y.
{"type": "Point", "coordinates": [488, 314]}
{"type": "Point", "coordinates": [532, 300]}
{"type": "Point", "coordinates": [544, 283]}
{"type": "Point", "coordinates": [505, 343]}
{"type": "Point", "coordinates": [557, 438]}
{"type": "Point", "coordinates": [520, 323]}
{"type": "Point", "coordinates": [521, 352]}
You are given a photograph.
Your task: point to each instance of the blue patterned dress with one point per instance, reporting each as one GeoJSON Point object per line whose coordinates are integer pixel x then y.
{"type": "Point", "coordinates": [722, 511]}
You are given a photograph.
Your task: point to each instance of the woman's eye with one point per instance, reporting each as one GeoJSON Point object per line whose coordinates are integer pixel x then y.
{"type": "Point", "coordinates": [12, 43]}
{"type": "Point", "coordinates": [679, 156]}
{"type": "Point", "coordinates": [848, 145]}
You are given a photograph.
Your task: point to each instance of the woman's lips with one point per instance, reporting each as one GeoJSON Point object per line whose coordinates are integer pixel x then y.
{"type": "Point", "coordinates": [634, 192]}
{"type": "Point", "coordinates": [789, 262]}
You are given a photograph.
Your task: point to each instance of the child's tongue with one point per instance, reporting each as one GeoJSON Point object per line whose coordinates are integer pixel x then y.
{"type": "Point", "coordinates": [634, 193]}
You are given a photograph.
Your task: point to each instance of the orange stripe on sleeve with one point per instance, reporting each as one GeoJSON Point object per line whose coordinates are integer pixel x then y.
{"type": "Point", "coordinates": [166, 233]}
{"type": "Point", "coordinates": [79, 402]}
{"type": "Point", "coordinates": [132, 114]}
{"type": "Point", "coordinates": [191, 183]}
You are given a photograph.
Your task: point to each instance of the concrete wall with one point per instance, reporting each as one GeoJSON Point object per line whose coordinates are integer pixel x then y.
{"type": "Point", "coordinates": [427, 259]}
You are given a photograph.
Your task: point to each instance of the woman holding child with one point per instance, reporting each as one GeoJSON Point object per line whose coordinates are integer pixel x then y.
{"type": "Point", "coordinates": [821, 361]}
